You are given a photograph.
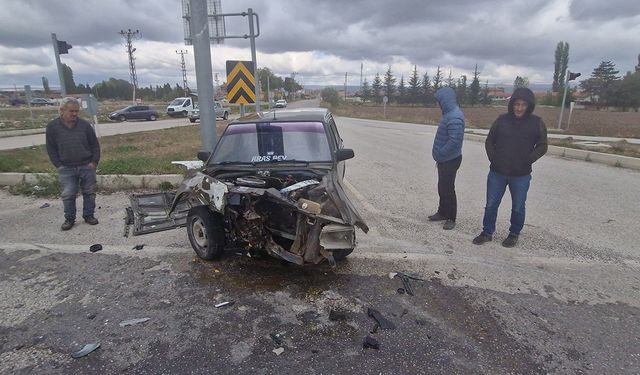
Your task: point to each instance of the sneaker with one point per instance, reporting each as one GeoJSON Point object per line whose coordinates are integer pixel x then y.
{"type": "Point", "coordinates": [510, 241]}
{"type": "Point", "coordinates": [91, 220]}
{"type": "Point", "coordinates": [68, 224]}
{"type": "Point", "coordinates": [482, 238]}
{"type": "Point", "coordinates": [437, 217]}
{"type": "Point", "coordinates": [449, 224]}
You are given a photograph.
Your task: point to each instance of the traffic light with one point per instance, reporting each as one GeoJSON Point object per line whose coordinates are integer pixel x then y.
{"type": "Point", "coordinates": [63, 47]}
{"type": "Point", "coordinates": [573, 76]}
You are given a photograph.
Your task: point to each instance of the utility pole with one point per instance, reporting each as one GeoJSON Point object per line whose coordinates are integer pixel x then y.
{"type": "Point", "coordinates": [345, 86]}
{"type": "Point", "coordinates": [360, 79]}
{"type": "Point", "coordinates": [128, 37]}
{"type": "Point", "coordinates": [183, 67]}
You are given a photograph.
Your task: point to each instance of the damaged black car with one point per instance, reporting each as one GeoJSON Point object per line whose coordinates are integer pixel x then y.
{"type": "Point", "coordinates": [273, 183]}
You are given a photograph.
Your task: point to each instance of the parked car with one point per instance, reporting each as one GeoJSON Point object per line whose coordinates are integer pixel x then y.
{"type": "Point", "coordinates": [181, 107]}
{"type": "Point", "coordinates": [273, 184]}
{"type": "Point", "coordinates": [281, 103]}
{"type": "Point", "coordinates": [221, 112]}
{"type": "Point", "coordinates": [41, 102]}
{"type": "Point", "coordinates": [16, 102]}
{"type": "Point", "coordinates": [135, 112]}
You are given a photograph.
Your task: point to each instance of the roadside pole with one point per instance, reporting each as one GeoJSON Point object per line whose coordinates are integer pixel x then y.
{"type": "Point", "coordinates": [564, 97]}
{"type": "Point", "coordinates": [252, 38]}
{"type": "Point", "coordinates": [199, 25]}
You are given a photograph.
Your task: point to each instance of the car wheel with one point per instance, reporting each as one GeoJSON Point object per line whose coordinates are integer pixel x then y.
{"type": "Point", "coordinates": [121, 118]}
{"type": "Point", "coordinates": [206, 232]}
{"type": "Point", "coordinates": [184, 113]}
{"type": "Point", "coordinates": [192, 120]}
{"type": "Point", "coordinates": [225, 116]}
{"type": "Point", "coordinates": [153, 117]}
{"type": "Point", "coordinates": [340, 254]}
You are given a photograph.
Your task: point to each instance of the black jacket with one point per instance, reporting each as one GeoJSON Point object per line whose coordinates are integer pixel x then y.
{"type": "Point", "coordinates": [514, 144]}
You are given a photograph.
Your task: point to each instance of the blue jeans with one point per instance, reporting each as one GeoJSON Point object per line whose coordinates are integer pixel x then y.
{"type": "Point", "coordinates": [496, 186]}
{"type": "Point", "coordinates": [71, 178]}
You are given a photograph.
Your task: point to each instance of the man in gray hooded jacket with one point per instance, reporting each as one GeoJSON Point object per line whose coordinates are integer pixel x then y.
{"type": "Point", "coordinates": [447, 152]}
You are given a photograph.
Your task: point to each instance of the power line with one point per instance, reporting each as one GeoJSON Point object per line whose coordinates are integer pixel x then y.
{"type": "Point", "coordinates": [128, 37]}
{"type": "Point", "coordinates": [183, 67]}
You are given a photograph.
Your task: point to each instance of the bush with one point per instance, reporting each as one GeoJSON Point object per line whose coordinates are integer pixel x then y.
{"type": "Point", "coordinates": [46, 186]}
{"type": "Point", "coordinates": [330, 96]}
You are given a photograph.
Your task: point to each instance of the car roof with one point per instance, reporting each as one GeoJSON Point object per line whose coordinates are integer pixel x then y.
{"type": "Point", "coordinates": [302, 114]}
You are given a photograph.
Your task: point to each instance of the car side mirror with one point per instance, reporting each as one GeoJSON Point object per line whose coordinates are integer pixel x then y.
{"type": "Point", "coordinates": [203, 155]}
{"type": "Point", "coordinates": [344, 154]}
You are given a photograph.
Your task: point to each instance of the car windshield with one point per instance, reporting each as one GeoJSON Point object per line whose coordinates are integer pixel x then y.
{"type": "Point", "coordinates": [273, 142]}
{"type": "Point", "coordinates": [177, 102]}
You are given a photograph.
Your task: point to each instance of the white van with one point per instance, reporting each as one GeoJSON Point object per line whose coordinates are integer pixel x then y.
{"type": "Point", "coordinates": [181, 107]}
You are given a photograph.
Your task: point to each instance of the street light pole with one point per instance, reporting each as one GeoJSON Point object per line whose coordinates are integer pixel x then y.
{"type": "Point", "coordinates": [564, 97]}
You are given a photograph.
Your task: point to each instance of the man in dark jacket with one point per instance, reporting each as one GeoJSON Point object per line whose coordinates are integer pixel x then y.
{"type": "Point", "coordinates": [74, 150]}
{"type": "Point", "coordinates": [447, 152]}
{"type": "Point", "coordinates": [516, 140]}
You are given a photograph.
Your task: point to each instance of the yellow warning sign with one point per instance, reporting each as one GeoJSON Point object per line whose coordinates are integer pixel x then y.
{"type": "Point", "coordinates": [241, 83]}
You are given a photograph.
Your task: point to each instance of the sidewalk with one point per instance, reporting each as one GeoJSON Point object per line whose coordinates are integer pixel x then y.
{"type": "Point", "coordinates": [551, 134]}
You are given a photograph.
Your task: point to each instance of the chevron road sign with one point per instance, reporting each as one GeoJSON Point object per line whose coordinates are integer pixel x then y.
{"type": "Point", "coordinates": [241, 84]}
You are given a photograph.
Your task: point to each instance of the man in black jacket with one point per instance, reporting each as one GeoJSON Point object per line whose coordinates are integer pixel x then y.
{"type": "Point", "coordinates": [516, 140]}
{"type": "Point", "coordinates": [74, 150]}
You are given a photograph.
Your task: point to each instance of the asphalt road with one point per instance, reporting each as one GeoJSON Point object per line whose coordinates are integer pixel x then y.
{"type": "Point", "coordinates": [565, 301]}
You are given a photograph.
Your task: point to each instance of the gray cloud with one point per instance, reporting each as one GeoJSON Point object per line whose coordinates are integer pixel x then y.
{"type": "Point", "coordinates": [597, 10]}
{"type": "Point", "coordinates": [499, 36]}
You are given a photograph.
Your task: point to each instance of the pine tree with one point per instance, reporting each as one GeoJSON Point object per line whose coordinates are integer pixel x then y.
{"type": "Point", "coordinates": [377, 89]}
{"type": "Point", "coordinates": [402, 91]}
{"type": "Point", "coordinates": [602, 83]}
{"type": "Point", "coordinates": [461, 89]}
{"type": "Point", "coordinates": [520, 82]}
{"type": "Point", "coordinates": [437, 79]}
{"type": "Point", "coordinates": [413, 91]}
{"type": "Point", "coordinates": [426, 91]}
{"type": "Point", "coordinates": [366, 91]}
{"type": "Point", "coordinates": [389, 84]}
{"type": "Point", "coordinates": [474, 88]}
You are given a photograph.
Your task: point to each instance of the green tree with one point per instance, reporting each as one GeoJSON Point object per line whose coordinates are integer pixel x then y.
{"type": "Point", "coordinates": [413, 92]}
{"type": "Point", "coordinates": [426, 92]}
{"type": "Point", "coordinates": [602, 83]}
{"type": "Point", "coordinates": [461, 89]}
{"type": "Point", "coordinates": [266, 76]}
{"type": "Point", "coordinates": [627, 91]}
{"type": "Point", "coordinates": [474, 87]}
{"type": "Point", "coordinates": [560, 65]}
{"type": "Point", "coordinates": [331, 96]}
{"type": "Point", "coordinates": [114, 89]}
{"type": "Point", "coordinates": [376, 86]}
{"type": "Point", "coordinates": [520, 82]}
{"type": "Point", "coordinates": [449, 80]}
{"type": "Point", "coordinates": [69, 83]}
{"type": "Point", "coordinates": [366, 91]}
{"type": "Point", "coordinates": [389, 84]}
{"type": "Point", "coordinates": [45, 85]}
{"type": "Point", "coordinates": [402, 91]}
{"type": "Point", "coordinates": [486, 99]}
{"type": "Point", "coordinates": [437, 79]}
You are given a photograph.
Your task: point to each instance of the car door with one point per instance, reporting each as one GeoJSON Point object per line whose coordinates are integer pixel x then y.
{"type": "Point", "coordinates": [148, 213]}
{"type": "Point", "coordinates": [337, 141]}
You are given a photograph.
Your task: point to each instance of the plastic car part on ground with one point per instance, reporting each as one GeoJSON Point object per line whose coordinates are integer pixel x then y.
{"type": "Point", "coordinates": [132, 322]}
{"type": "Point", "coordinates": [85, 350]}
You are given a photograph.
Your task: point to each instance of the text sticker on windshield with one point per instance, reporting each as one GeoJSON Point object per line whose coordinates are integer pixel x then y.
{"type": "Point", "coordinates": [262, 158]}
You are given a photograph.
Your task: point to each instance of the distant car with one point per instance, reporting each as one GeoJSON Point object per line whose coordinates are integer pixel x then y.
{"type": "Point", "coordinates": [221, 112]}
{"type": "Point", "coordinates": [135, 112]}
{"type": "Point", "coordinates": [181, 107]}
{"type": "Point", "coordinates": [281, 103]}
{"type": "Point", "coordinates": [41, 101]}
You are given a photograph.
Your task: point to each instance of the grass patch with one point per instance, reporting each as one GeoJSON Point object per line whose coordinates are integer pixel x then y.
{"type": "Point", "coordinates": [45, 186]}
{"type": "Point", "coordinates": [148, 152]}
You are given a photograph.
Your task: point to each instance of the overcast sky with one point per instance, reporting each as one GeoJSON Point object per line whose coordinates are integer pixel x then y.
{"type": "Point", "coordinates": [320, 40]}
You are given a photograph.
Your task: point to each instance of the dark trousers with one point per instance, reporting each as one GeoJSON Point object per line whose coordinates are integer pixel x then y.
{"type": "Point", "coordinates": [448, 206]}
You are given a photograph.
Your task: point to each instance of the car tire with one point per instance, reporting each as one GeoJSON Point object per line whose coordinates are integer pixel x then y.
{"type": "Point", "coordinates": [192, 120]}
{"type": "Point", "coordinates": [206, 232]}
{"type": "Point", "coordinates": [153, 118]}
{"type": "Point", "coordinates": [340, 254]}
{"type": "Point", "coordinates": [225, 116]}
{"type": "Point", "coordinates": [184, 113]}
{"type": "Point", "coordinates": [121, 118]}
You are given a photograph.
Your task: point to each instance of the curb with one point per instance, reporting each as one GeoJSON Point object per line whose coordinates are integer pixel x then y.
{"type": "Point", "coordinates": [17, 133]}
{"type": "Point", "coordinates": [106, 182]}
{"type": "Point", "coordinates": [584, 155]}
